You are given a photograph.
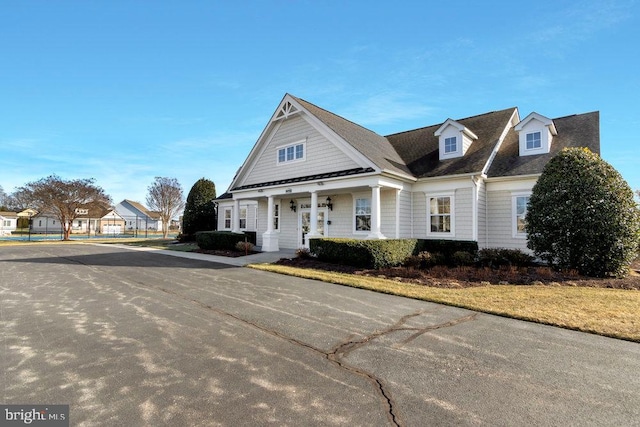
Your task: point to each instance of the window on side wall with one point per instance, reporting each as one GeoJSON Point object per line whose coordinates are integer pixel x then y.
{"type": "Point", "coordinates": [440, 214]}
{"type": "Point", "coordinates": [243, 218]}
{"type": "Point", "coordinates": [363, 215]}
{"type": "Point", "coordinates": [520, 203]}
{"type": "Point", "coordinates": [227, 218]}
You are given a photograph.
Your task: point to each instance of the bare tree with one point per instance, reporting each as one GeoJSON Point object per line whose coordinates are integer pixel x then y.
{"type": "Point", "coordinates": [3, 199]}
{"type": "Point", "coordinates": [165, 196]}
{"type": "Point", "coordinates": [64, 199]}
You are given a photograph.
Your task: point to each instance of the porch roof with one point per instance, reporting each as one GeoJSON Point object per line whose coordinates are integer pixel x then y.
{"type": "Point", "coordinates": [346, 172]}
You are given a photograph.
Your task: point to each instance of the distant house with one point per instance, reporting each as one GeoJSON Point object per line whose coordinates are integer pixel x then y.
{"type": "Point", "coordinates": [89, 221]}
{"type": "Point", "coordinates": [138, 217]}
{"type": "Point", "coordinates": [8, 222]}
{"type": "Point", "coordinates": [313, 173]}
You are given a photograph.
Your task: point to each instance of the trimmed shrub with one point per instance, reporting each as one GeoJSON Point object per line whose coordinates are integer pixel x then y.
{"type": "Point", "coordinates": [448, 247]}
{"type": "Point", "coordinates": [425, 260]}
{"type": "Point", "coordinates": [498, 257]}
{"type": "Point", "coordinates": [582, 215]}
{"type": "Point", "coordinates": [226, 240]}
{"type": "Point", "coordinates": [363, 253]}
{"type": "Point", "coordinates": [462, 258]}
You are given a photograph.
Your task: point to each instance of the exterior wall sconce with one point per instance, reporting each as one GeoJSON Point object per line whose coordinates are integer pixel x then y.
{"type": "Point", "coordinates": [292, 205]}
{"type": "Point", "coordinates": [329, 204]}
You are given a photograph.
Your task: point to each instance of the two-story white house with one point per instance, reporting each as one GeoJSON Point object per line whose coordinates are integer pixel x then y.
{"type": "Point", "coordinates": [313, 173]}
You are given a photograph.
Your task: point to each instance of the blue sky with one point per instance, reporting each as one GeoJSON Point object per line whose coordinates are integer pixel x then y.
{"type": "Point", "coordinates": [124, 91]}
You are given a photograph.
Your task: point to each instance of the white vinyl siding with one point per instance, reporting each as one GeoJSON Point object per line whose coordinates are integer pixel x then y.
{"type": "Point", "coordinates": [500, 221]}
{"type": "Point", "coordinates": [320, 155]}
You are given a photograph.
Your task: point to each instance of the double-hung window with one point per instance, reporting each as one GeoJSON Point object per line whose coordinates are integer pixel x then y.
{"type": "Point", "coordinates": [520, 204]}
{"type": "Point", "coordinates": [534, 140]}
{"type": "Point", "coordinates": [363, 214]}
{"type": "Point", "coordinates": [227, 218]}
{"type": "Point", "coordinates": [440, 214]}
{"type": "Point", "coordinates": [243, 218]}
{"type": "Point", "coordinates": [450, 145]}
{"type": "Point", "coordinates": [291, 153]}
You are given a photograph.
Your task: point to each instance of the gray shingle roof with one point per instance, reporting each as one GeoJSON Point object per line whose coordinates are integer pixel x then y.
{"type": "Point", "coordinates": [419, 147]}
{"type": "Point", "coordinates": [579, 130]}
{"type": "Point", "coordinates": [371, 145]}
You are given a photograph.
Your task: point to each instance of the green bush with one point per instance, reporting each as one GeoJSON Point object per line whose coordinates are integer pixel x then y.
{"type": "Point", "coordinates": [498, 257]}
{"type": "Point", "coordinates": [424, 260]}
{"type": "Point", "coordinates": [462, 258]}
{"type": "Point", "coordinates": [582, 216]}
{"type": "Point", "coordinates": [225, 240]}
{"type": "Point", "coordinates": [448, 247]}
{"type": "Point", "coordinates": [363, 253]}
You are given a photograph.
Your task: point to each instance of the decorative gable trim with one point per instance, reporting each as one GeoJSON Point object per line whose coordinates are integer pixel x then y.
{"type": "Point", "coordinates": [454, 139]}
{"type": "Point", "coordinates": [535, 134]}
{"type": "Point", "coordinates": [286, 110]}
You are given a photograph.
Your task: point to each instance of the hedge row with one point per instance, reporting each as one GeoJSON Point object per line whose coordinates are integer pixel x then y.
{"type": "Point", "coordinates": [226, 240]}
{"type": "Point", "coordinates": [363, 253]}
{"type": "Point", "coordinates": [422, 253]}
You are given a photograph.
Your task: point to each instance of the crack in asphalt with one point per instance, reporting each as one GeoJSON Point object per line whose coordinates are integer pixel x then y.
{"type": "Point", "coordinates": [338, 353]}
{"type": "Point", "coordinates": [342, 350]}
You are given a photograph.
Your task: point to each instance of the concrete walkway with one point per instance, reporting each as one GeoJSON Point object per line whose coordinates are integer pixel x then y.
{"type": "Point", "coordinates": [259, 258]}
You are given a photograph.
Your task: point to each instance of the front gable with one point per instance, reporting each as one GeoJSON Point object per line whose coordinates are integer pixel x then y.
{"type": "Point", "coordinates": [297, 144]}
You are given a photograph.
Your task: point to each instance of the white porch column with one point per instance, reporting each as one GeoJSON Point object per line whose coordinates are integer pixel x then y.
{"type": "Point", "coordinates": [235, 228]}
{"type": "Point", "coordinates": [270, 237]}
{"type": "Point", "coordinates": [375, 214]}
{"type": "Point", "coordinates": [313, 226]}
{"type": "Point", "coordinates": [269, 214]}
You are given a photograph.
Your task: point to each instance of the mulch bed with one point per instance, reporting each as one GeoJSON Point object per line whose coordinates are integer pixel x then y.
{"type": "Point", "coordinates": [465, 277]}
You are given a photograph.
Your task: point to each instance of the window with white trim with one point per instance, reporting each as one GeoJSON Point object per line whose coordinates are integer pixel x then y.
{"type": "Point", "coordinates": [227, 218]}
{"type": "Point", "coordinates": [520, 204]}
{"type": "Point", "coordinates": [276, 216]}
{"type": "Point", "coordinates": [533, 141]}
{"type": "Point", "coordinates": [291, 153]}
{"type": "Point", "coordinates": [363, 214]}
{"type": "Point", "coordinates": [243, 218]}
{"type": "Point", "coordinates": [450, 145]}
{"type": "Point", "coordinates": [440, 214]}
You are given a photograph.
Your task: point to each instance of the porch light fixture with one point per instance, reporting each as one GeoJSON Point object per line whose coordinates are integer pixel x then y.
{"type": "Point", "coordinates": [292, 205]}
{"type": "Point", "coordinates": [329, 204]}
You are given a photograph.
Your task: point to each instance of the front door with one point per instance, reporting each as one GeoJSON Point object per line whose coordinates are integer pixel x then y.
{"type": "Point", "coordinates": [305, 225]}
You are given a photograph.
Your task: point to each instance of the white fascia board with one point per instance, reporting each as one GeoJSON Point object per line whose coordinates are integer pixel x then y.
{"type": "Point", "coordinates": [513, 183]}
{"type": "Point", "coordinates": [460, 127]}
{"type": "Point", "coordinates": [515, 117]}
{"type": "Point", "coordinates": [539, 117]}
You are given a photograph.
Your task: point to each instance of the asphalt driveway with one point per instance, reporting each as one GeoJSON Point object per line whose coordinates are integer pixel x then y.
{"type": "Point", "coordinates": [138, 338]}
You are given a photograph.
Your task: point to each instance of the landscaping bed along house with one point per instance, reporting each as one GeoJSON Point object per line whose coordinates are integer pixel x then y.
{"type": "Point", "coordinates": [470, 276]}
{"type": "Point", "coordinates": [435, 263]}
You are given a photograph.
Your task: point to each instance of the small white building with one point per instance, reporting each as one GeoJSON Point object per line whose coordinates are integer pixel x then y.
{"type": "Point", "coordinates": [8, 223]}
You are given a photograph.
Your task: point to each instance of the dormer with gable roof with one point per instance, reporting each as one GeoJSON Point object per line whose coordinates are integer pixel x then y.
{"type": "Point", "coordinates": [454, 139]}
{"type": "Point", "coordinates": [535, 133]}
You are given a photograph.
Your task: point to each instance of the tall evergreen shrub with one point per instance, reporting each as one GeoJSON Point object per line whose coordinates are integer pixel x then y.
{"type": "Point", "coordinates": [582, 216]}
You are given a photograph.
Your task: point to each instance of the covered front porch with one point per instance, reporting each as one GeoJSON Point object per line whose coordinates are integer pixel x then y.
{"type": "Point", "coordinates": [288, 217]}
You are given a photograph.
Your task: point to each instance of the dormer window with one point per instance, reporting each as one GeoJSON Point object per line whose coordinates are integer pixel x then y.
{"type": "Point", "coordinates": [454, 139]}
{"type": "Point", "coordinates": [534, 141]}
{"type": "Point", "coordinates": [450, 145]}
{"type": "Point", "coordinates": [535, 134]}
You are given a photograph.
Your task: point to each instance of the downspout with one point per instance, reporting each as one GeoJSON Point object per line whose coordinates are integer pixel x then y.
{"type": "Point", "coordinates": [474, 209]}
